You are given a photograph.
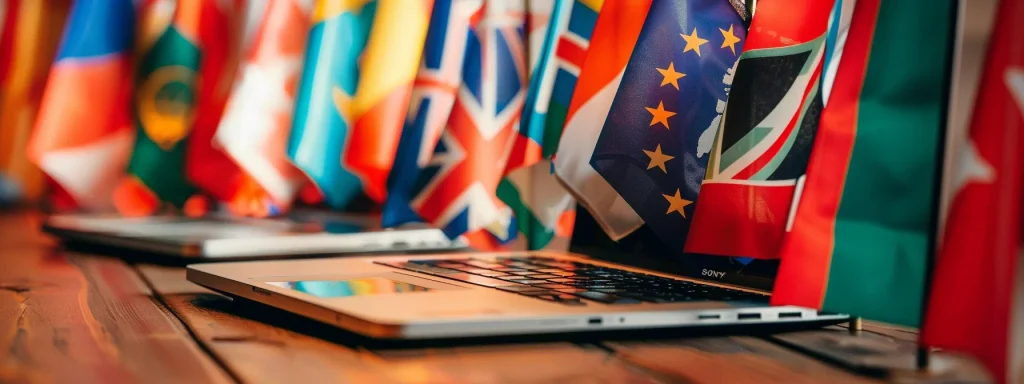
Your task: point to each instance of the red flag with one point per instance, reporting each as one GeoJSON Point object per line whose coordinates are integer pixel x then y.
{"type": "Point", "coordinates": [977, 283]}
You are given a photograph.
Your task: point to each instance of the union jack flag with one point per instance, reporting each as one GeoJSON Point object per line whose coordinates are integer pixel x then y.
{"type": "Point", "coordinates": [457, 186]}
{"type": "Point", "coordinates": [433, 95]}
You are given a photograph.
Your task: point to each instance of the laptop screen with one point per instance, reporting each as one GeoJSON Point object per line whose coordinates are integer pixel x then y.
{"type": "Point", "coordinates": [643, 249]}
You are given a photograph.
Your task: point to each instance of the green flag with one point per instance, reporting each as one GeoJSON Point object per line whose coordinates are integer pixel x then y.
{"type": "Point", "coordinates": [164, 105]}
{"type": "Point", "coordinates": [863, 229]}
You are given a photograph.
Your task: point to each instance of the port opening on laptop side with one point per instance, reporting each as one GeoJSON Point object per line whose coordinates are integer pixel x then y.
{"type": "Point", "coordinates": [643, 249]}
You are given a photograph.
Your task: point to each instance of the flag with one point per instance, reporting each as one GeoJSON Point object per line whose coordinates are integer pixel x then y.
{"type": "Point", "coordinates": [29, 41]}
{"type": "Point", "coordinates": [538, 19]}
{"type": "Point", "coordinates": [975, 304]}
{"type": "Point", "coordinates": [89, 83]}
{"type": "Point", "coordinates": [219, 42]}
{"type": "Point", "coordinates": [863, 227]}
{"type": "Point", "coordinates": [766, 133]}
{"type": "Point", "coordinates": [164, 108]}
{"type": "Point", "coordinates": [614, 36]}
{"type": "Point", "coordinates": [381, 101]}
{"type": "Point", "coordinates": [673, 92]}
{"type": "Point", "coordinates": [431, 100]}
{"type": "Point", "coordinates": [323, 109]}
{"type": "Point", "coordinates": [258, 117]}
{"type": "Point", "coordinates": [456, 189]}
{"type": "Point", "coordinates": [542, 206]}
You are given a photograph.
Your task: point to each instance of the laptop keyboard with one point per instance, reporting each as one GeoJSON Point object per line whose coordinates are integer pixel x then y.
{"type": "Point", "coordinates": [571, 282]}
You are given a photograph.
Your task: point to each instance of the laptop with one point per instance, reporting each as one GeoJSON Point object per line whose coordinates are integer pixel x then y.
{"type": "Point", "coordinates": [599, 285]}
{"type": "Point", "coordinates": [222, 237]}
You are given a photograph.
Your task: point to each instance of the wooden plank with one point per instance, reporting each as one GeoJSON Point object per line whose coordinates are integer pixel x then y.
{"type": "Point", "coordinates": [258, 352]}
{"type": "Point", "coordinates": [884, 350]}
{"type": "Point", "coordinates": [735, 359]}
{"type": "Point", "coordinates": [66, 317]}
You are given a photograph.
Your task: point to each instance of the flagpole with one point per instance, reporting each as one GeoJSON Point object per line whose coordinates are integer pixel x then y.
{"type": "Point", "coordinates": [953, 64]}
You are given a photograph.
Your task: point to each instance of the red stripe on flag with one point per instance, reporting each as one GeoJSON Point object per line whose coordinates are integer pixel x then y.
{"type": "Point", "coordinates": [571, 52]}
{"type": "Point", "coordinates": [740, 220]}
{"type": "Point", "coordinates": [807, 251]}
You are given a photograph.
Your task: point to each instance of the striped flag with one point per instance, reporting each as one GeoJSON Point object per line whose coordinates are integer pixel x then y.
{"type": "Point", "coordinates": [766, 133]}
{"type": "Point", "coordinates": [542, 207]}
{"type": "Point", "coordinates": [431, 101]}
{"type": "Point", "coordinates": [460, 180]}
{"type": "Point", "coordinates": [977, 297]}
{"type": "Point", "coordinates": [257, 120]}
{"type": "Point", "coordinates": [862, 232]}
{"type": "Point", "coordinates": [323, 109]}
{"type": "Point", "coordinates": [388, 67]}
{"type": "Point", "coordinates": [31, 35]}
{"type": "Point", "coordinates": [614, 36]}
{"type": "Point", "coordinates": [164, 109]}
{"type": "Point", "coordinates": [90, 82]}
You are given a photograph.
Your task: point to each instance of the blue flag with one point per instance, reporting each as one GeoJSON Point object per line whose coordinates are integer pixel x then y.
{"type": "Point", "coordinates": [655, 144]}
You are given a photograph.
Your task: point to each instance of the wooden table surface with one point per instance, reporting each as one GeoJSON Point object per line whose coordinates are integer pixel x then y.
{"type": "Point", "coordinates": [73, 316]}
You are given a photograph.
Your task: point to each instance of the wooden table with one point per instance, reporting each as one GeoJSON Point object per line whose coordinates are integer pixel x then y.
{"type": "Point", "coordinates": [72, 316]}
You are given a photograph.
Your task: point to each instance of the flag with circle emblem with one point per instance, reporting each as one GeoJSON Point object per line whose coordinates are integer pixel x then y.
{"type": "Point", "coordinates": [163, 108]}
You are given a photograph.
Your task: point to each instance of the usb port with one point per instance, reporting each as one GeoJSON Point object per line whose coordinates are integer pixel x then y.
{"type": "Point", "coordinates": [709, 317]}
{"type": "Point", "coordinates": [748, 316]}
{"type": "Point", "coordinates": [594, 321]}
{"type": "Point", "coordinates": [790, 315]}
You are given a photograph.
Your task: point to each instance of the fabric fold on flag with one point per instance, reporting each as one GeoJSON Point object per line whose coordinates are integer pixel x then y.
{"type": "Point", "coordinates": [766, 133]}
{"type": "Point", "coordinates": [456, 189]}
{"type": "Point", "coordinates": [323, 111]}
{"type": "Point", "coordinates": [542, 207]}
{"type": "Point", "coordinates": [257, 120]}
{"type": "Point", "coordinates": [979, 270]}
{"type": "Point", "coordinates": [381, 101]}
{"type": "Point", "coordinates": [672, 94]}
{"type": "Point", "coordinates": [89, 83]}
{"type": "Point", "coordinates": [862, 232]}
{"type": "Point", "coordinates": [431, 101]}
{"type": "Point", "coordinates": [614, 36]}
{"type": "Point", "coordinates": [207, 166]}
{"type": "Point", "coordinates": [31, 35]}
{"type": "Point", "coordinates": [163, 109]}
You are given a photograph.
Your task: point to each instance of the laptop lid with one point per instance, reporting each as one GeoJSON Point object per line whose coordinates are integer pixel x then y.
{"type": "Point", "coordinates": [643, 249]}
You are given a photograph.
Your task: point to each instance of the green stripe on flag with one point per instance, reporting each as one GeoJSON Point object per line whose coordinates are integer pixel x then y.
{"type": "Point", "coordinates": [884, 223]}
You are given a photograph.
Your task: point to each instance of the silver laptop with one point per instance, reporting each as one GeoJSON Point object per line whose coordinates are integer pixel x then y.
{"type": "Point", "coordinates": [632, 284]}
{"type": "Point", "coordinates": [224, 237]}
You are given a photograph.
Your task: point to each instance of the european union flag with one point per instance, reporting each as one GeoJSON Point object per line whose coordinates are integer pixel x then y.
{"type": "Point", "coordinates": [654, 146]}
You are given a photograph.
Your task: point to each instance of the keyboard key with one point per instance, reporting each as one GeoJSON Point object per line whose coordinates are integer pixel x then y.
{"type": "Point", "coordinates": [529, 281]}
{"type": "Point", "coordinates": [571, 290]}
{"type": "Point", "coordinates": [562, 280]}
{"type": "Point", "coordinates": [542, 276]}
{"type": "Point", "coordinates": [523, 289]}
{"type": "Point", "coordinates": [560, 298]}
{"type": "Point", "coordinates": [562, 273]}
{"type": "Point", "coordinates": [553, 286]}
{"type": "Point", "coordinates": [493, 274]}
{"type": "Point", "coordinates": [606, 298]}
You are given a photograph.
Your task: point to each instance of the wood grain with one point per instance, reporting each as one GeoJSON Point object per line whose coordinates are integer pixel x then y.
{"type": "Point", "coordinates": [258, 352]}
{"type": "Point", "coordinates": [66, 317]}
{"type": "Point", "coordinates": [736, 359]}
